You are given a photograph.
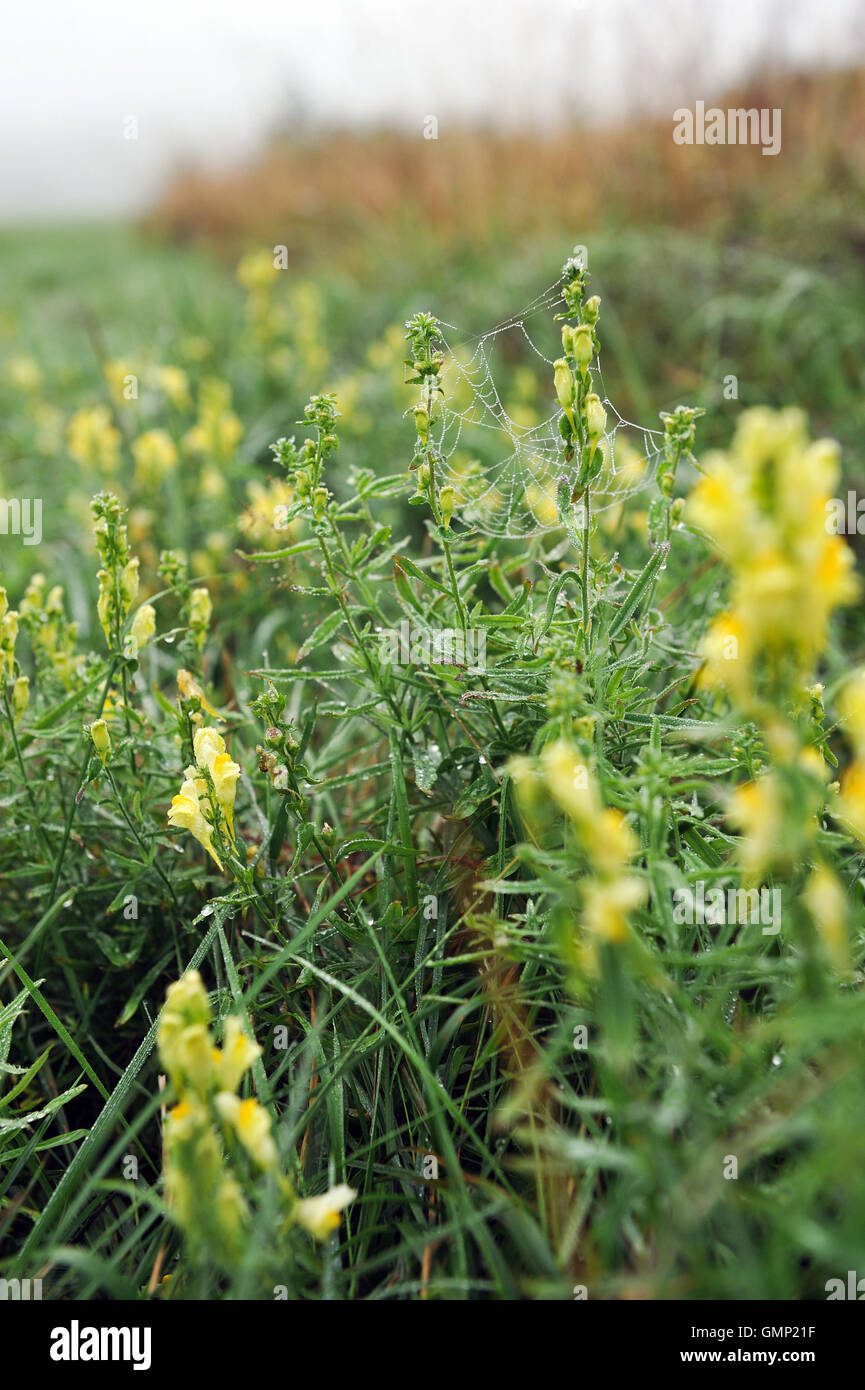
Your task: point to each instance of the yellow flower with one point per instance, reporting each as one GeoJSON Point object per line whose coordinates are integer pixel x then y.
{"type": "Point", "coordinates": [851, 708]}
{"type": "Point", "coordinates": [209, 748]}
{"type": "Point", "coordinates": [851, 802]}
{"type": "Point", "coordinates": [183, 1032]}
{"type": "Point", "coordinates": [155, 455]}
{"type": "Point", "coordinates": [175, 383]}
{"type": "Point", "coordinates": [727, 654]}
{"type": "Point", "coordinates": [256, 270]}
{"type": "Point", "coordinates": [606, 904]}
{"type": "Point", "coordinates": [206, 745]}
{"type": "Point", "coordinates": [236, 1056]}
{"type": "Point", "coordinates": [9, 636]}
{"type": "Point", "coordinates": [613, 843]}
{"type": "Point", "coordinates": [186, 999]}
{"type": "Point", "coordinates": [20, 696]}
{"type": "Point", "coordinates": [186, 813]}
{"type": "Point", "coordinates": [93, 440]}
{"type": "Point", "coordinates": [567, 778]}
{"type": "Point", "coordinates": [200, 613]}
{"type": "Point", "coordinates": [25, 374]}
{"type": "Point", "coordinates": [755, 809]}
{"type": "Point", "coordinates": [143, 625]}
{"type": "Point", "coordinates": [192, 1056]}
{"type": "Point", "coordinates": [189, 689]}
{"type": "Point", "coordinates": [225, 773]}
{"type": "Point", "coordinates": [251, 1123]}
{"type": "Point", "coordinates": [320, 1215]}
{"type": "Point", "coordinates": [764, 504]}
{"type": "Point", "coordinates": [827, 902]}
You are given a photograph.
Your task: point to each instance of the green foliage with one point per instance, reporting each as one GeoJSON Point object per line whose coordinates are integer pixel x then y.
{"type": "Point", "coordinates": [414, 916]}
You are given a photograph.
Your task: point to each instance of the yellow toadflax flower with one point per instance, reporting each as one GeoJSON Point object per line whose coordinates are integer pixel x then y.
{"type": "Point", "coordinates": [321, 1215]}
{"type": "Point", "coordinates": [604, 834]}
{"type": "Point", "coordinates": [92, 439]}
{"type": "Point", "coordinates": [251, 1123]}
{"type": "Point", "coordinates": [189, 689]}
{"type": "Point", "coordinates": [236, 1056]}
{"type": "Point", "coordinates": [20, 696]}
{"type": "Point", "coordinates": [826, 900]}
{"type": "Point", "coordinates": [851, 706]}
{"type": "Point", "coordinates": [155, 455]}
{"type": "Point", "coordinates": [8, 636]}
{"type": "Point", "coordinates": [175, 383]}
{"type": "Point", "coordinates": [143, 625]}
{"type": "Point", "coordinates": [186, 813]}
{"type": "Point", "coordinates": [764, 504]}
{"type": "Point", "coordinates": [209, 748]}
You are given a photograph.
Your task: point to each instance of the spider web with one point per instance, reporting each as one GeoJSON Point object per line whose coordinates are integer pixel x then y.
{"type": "Point", "coordinates": [504, 460]}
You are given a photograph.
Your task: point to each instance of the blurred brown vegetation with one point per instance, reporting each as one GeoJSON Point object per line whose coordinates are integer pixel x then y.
{"type": "Point", "coordinates": [354, 193]}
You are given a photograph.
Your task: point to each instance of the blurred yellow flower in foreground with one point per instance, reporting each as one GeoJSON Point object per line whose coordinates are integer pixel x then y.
{"type": "Point", "coordinates": [320, 1215]}
{"type": "Point", "coordinates": [764, 503]}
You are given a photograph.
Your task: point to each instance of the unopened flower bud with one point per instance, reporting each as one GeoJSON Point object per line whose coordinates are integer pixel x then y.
{"type": "Point", "coordinates": [579, 345]}
{"type": "Point", "coordinates": [566, 387]}
{"type": "Point", "coordinates": [319, 502]}
{"type": "Point", "coordinates": [101, 739]}
{"type": "Point", "coordinates": [20, 696]}
{"type": "Point", "coordinates": [596, 417]}
{"type": "Point", "coordinates": [421, 420]}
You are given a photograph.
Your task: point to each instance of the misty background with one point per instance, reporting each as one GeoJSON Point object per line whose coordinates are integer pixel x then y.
{"type": "Point", "coordinates": [209, 82]}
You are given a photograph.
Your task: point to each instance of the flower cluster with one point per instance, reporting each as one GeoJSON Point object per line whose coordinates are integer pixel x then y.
{"type": "Point", "coordinates": [213, 1136]}
{"type": "Point", "coordinates": [118, 577]}
{"type": "Point", "coordinates": [851, 802]}
{"type": "Point", "coordinates": [764, 504]}
{"type": "Point", "coordinates": [611, 891]}
{"type": "Point", "coordinates": [217, 431]}
{"type": "Point", "coordinates": [93, 440]}
{"type": "Point", "coordinates": [205, 802]}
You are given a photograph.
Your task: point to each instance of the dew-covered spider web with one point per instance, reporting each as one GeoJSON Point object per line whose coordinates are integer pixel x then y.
{"type": "Point", "coordinates": [497, 428]}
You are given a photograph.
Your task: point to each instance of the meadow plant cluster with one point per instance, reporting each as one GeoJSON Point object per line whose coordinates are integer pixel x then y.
{"type": "Point", "coordinates": [350, 977]}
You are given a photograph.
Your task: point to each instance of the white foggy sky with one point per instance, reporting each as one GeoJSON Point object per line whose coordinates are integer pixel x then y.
{"type": "Point", "coordinates": [208, 79]}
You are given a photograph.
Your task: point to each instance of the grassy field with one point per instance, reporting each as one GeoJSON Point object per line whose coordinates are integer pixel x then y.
{"type": "Point", "coordinates": [455, 1032]}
